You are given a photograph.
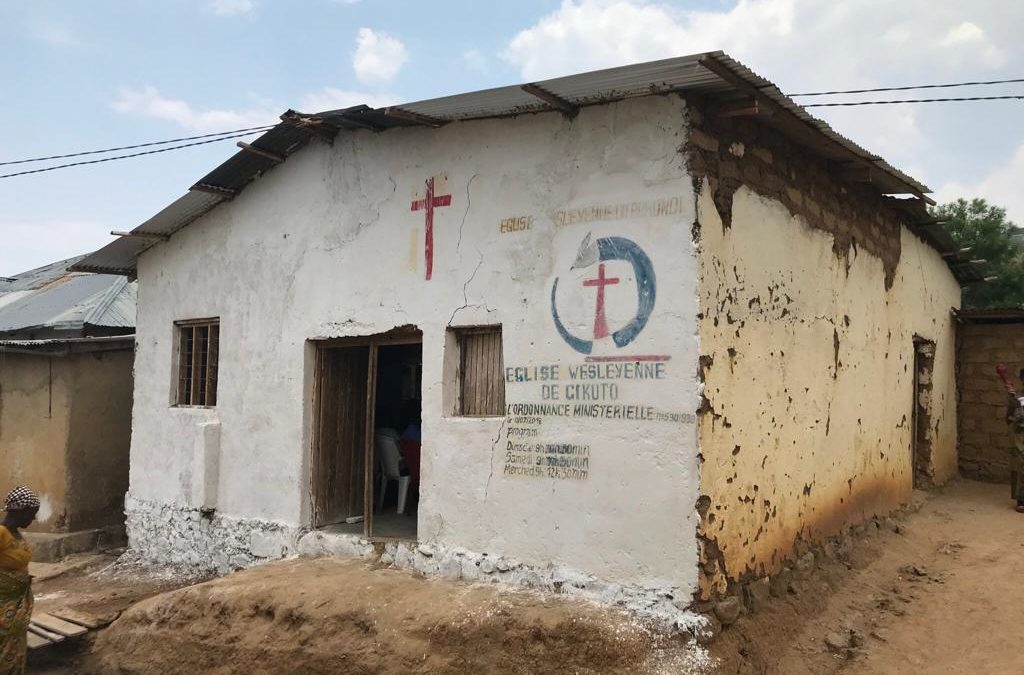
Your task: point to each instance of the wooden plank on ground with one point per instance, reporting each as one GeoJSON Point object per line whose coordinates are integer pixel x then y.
{"type": "Point", "coordinates": [37, 641]}
{"type": "Point", "coordinates": [42, 632]}
{"type": "Point", "coordinates": [58, 626]}
{"type": "Point", "coordinates": [81, 618]}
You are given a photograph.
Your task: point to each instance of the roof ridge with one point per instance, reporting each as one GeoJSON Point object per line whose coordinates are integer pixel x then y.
{"type": "Point", "coordinates": [106, 301]}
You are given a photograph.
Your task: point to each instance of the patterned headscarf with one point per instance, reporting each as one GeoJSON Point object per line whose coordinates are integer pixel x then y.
{"type": "Point", "coordinates": [21, 498]}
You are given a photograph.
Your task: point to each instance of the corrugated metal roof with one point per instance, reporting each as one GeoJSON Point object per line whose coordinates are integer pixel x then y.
{"type": "Point", "coordinates": [712, 73]}
{"type": "Point", "coordinates": [65, 346]}
{"type": "Point", "coordinates": [53, 297]}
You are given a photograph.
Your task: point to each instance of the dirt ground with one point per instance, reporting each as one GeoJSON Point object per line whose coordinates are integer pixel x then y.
{"type": "Point", "coordinates": [934, 591]}
{"type": "Point", "coordinates": [940, 595]}
{"type": "Point", "coordinates": [346, 616]}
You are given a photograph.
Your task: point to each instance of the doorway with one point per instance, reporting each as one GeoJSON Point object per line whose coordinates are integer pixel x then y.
{"type": "Point", "coordinates": [366, 435]}
{"type": "Point", "coordinates": [921, 432]}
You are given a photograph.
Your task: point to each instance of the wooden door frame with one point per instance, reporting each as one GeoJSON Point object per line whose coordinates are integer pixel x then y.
{"type": "Point", "coordinates": [396, 337]}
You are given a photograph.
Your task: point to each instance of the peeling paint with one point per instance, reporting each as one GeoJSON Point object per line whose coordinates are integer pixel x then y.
{"type": "Point", "coordinates": [806, 388]}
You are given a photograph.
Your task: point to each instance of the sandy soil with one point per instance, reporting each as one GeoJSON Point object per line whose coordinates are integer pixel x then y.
{"type": "Point", "coordinates": [97, 584]}
{"type": "Point", "coordinates": [344, 616]}
{"type": "Point", "coordinates": [941, 595]}
{"type": "Point", "coordinates": [934, 591]}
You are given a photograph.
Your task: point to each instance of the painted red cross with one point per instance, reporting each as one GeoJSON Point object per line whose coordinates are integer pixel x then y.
{"type": "Point", "coordinates": [600, 323]}
{"type": "Point", "coordinates": [429, 203]}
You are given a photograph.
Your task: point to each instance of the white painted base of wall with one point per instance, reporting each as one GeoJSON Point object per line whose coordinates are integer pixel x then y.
{"type": "Point", "coordinates": [183, 537]}
{"type": "Point", "coordinates": [168, 534]}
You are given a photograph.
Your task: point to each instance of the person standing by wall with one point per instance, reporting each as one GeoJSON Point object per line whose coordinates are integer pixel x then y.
{"type": "Point", "coordinates": [1015, 420]}
{"type": "Point", "coordinates": [21, 506]}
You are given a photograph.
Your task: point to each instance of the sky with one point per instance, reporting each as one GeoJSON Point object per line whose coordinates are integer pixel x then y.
{"type": "Point", "coordinates": [78, 75]}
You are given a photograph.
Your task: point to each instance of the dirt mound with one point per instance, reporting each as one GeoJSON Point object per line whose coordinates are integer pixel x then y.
{"type": "Point", "coordinates": [342, 616]}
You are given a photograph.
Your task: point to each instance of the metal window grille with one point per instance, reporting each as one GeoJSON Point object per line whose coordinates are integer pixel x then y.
{"type": "Point", "coordinates": [198, 350]}
{"type": "Point", "coordinates": [481, 384]}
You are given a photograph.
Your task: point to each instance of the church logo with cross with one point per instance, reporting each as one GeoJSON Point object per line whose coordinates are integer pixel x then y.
{"type": "Point", "coordinates": [427, 204]}
{"type": "Point", "coordinates": [598, 252]}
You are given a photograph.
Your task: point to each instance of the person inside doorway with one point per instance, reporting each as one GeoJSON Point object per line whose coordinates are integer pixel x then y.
{"type": "Point", "coordinates": [21, 507]}
{"type": "Point", "coordinates": [410, 440]}
{"type": "Point", "coordinates": [1015, 420]}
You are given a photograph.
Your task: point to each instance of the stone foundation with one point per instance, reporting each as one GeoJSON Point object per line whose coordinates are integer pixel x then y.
{"type": "Point", "coordinates": [169, 534]}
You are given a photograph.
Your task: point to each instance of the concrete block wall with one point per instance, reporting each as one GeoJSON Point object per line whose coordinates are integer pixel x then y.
{"type": "Point", "coordinates": [984, 438]}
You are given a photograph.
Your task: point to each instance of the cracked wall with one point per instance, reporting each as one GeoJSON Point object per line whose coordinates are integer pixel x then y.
{"type": "Point", "coordinates": [807, 335]}
{"type": "Point", "coordinates": [595, 466]}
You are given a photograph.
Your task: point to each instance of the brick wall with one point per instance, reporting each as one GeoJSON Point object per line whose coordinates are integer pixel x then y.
{"type": "Point", "coordinates": [984, 438]}
{"type": "Point", "coordinates": [730, 152]}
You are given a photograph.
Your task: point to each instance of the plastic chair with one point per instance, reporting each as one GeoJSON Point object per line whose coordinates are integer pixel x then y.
{"type": "Point", "coordinates": [388, 456]}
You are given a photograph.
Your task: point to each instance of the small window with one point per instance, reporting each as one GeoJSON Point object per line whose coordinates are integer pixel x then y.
{"type": "Point", "coordinates": [481, 385]}
{"type": "Point", "coordinates": [198, 348]}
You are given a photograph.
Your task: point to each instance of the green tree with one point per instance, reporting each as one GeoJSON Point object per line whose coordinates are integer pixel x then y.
{"type": "Point", "coordinates": [983, 228]}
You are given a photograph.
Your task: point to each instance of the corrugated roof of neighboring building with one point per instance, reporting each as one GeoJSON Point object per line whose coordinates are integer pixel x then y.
{"type": "Point", "coordinates": [54, 297]}
{"type": "Point", "coordinates": [711, 74]}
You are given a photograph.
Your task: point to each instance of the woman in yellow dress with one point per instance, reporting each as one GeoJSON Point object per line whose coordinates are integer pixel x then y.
{"type": "Point", "coordinates": [21, 506]}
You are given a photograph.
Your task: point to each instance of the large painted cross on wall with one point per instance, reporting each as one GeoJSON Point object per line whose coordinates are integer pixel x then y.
{"type": "Point", "coordinates": [428, 204]}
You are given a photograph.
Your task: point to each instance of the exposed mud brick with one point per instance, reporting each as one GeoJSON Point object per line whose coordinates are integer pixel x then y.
{"type": "Point", "coordinates": [808, 186]}
{"type": "Point", "coordinates": [984, 440]}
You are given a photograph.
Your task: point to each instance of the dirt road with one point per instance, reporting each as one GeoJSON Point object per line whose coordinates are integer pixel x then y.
{"type": "Point", "coordinates": [940, 595]}
{"type": "Point", "coordinates": [938, 590]}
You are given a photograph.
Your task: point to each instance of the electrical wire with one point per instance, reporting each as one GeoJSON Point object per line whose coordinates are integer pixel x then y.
{"type": "Point", "coordinates": [239, 133]}
{"type": "Point", "coordinates": [908, 88]}
{"type": "Point", "coordinates": [134, 154]}
{"type": "Point", "coordinates": [1017, 97]}
{"type": "Point", "coordinates": [140, 145]}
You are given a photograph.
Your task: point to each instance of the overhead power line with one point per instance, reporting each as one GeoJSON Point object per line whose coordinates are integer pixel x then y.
{"type": "Point", "coordinates": [1017, 97]}
{"type": "Point", "coordinates": [134, 154]}
{"type": "Point", "coordinates": [203, 139]}
{"type": "Point", "coordinates": [908, 88]}
{"type": "Point", "coordinates": [140, 145]}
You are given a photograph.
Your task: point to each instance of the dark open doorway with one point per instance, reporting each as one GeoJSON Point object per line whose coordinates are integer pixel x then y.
{"type": "Point", "coordinates": [366, 440]}
{"type": "Point", "coordinates": [921, 434]}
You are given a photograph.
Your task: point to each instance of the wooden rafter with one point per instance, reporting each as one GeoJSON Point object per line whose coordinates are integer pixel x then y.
{"type": "Point", "coordinates": [214, 190]}
{"type": "Point", "coordinates": [272, 156]}
{"type": "Point", "coordinates": [557, 102]}
{"type": "Point", "coordinates": [141, 235]}
{"type": "Point", "coordinates": [424, 120]}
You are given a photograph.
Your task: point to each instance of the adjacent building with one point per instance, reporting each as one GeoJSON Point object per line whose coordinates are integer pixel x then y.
{"type": "Point", "coordinates": [644, 333]}
{"type": "Point", "coordinates": [66, 356]}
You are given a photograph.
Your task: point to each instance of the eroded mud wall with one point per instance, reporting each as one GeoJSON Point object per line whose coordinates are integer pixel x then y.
{"type": "Point", "coordinates": [811, 297]}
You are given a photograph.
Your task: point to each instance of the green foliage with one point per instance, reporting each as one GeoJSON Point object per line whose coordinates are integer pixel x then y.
{"type": "Point", "coordinates": [983, 228]}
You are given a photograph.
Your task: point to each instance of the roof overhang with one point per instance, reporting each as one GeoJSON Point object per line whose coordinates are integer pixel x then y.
{"type": "Point", "coordinates": [713, 74]}
{"type": "Point", "coordinates": [68, 346]}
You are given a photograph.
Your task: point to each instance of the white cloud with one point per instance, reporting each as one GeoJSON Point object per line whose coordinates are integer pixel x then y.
{"type": "Point", "coordinates": [803, 45]}
{"type": "Point", "coordinates": [330, 98]}
{"type": "Point", "coordinates": [28, 245]}
{"type": "Point", "coordinates": [378, 56]}
{"type": "Point", "coordinates": [475, 60]}
{"type": "Point", "coordinates": [1001, 187]}
{"type": "Point", "coordinates": [148, 102]}
{"type": "Point", "coordinates": [969, 36]}
{"type": "Point", "coordinates": [230, 7]}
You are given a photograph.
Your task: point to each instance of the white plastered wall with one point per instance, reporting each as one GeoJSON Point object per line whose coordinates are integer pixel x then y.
{"type": "Point", "coordinates": [327, 245]}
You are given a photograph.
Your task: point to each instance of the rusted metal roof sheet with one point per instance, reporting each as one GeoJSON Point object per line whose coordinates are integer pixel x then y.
{"type": "Point", "coordinates": [682, 74]}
